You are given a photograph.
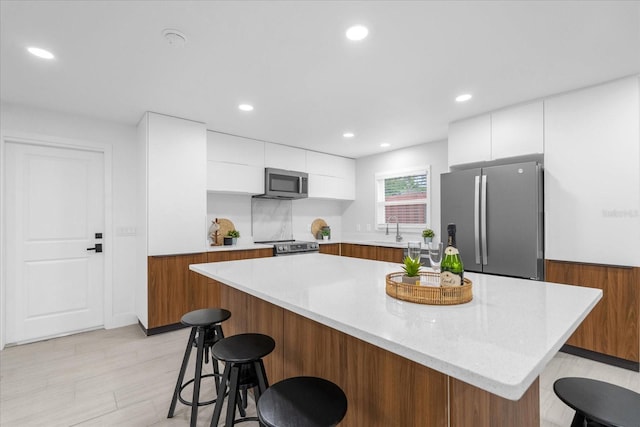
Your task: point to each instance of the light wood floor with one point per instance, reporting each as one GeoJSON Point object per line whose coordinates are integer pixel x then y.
{"type": "Point", "coordinates": [119, 377]}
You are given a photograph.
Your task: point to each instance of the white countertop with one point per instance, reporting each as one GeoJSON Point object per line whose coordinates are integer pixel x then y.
{"type": "Point", "coordinates": [500, 341]}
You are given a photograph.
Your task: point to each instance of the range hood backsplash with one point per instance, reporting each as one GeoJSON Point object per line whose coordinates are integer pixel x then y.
{"type": "Point", "coordinates": [271, 219]}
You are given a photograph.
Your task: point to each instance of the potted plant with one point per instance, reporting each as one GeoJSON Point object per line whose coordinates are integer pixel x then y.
{"type": "Point", "coordinates": [325, 233]}
{"type": "Point", "coordinates": [231, 237]}
{"type": "Point", "coordinates": [411, 269]}
{"type": "Point", "coordinates": [427, 235]}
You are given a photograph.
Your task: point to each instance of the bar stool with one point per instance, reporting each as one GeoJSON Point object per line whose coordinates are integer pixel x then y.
{"type": "Point", "coordinates": [205, 332]}
{"type": "Point", "coordinates": [598, 403]}
{"type": "Point", "coordinates": [243, 369]}
{"type": "Point", "coordinates": [302, 401]}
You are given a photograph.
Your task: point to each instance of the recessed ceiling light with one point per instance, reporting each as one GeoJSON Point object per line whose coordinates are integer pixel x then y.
{"type": "Point", "coordinates": [385, 145]}
{"type": "Point", "coordinates": [357, 32]}
{"type": "Point", "coordinates": [348, 134]}
{"type": "Point", "coordinates": [245, 107]}
{"type": "Point", "coordinates": [40, 53]}
{"type": "Point", "coordinates": [463, 98]}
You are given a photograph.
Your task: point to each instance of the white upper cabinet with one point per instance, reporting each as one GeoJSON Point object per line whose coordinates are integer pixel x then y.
{"type": "Point", "coordinates": [592, 175]}
{"type": "Point", "coordinates": [517, 131]}
{"type": "Point", "coordinates": [511, 132]}
{"type": "Point", "coordinates": [470, 140]}
{"type": "Point", "coordinates": [176, 153]}
{"type": "Point", "coordinates": [331, 177]}
{"type": "Point", "coordinates": [284, 157]}
{"type": "Point", "coordinates": [235, 164]}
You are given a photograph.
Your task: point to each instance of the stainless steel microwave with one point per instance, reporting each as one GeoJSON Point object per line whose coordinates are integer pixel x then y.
{"type": "Point", "coordinates": [285, 184]}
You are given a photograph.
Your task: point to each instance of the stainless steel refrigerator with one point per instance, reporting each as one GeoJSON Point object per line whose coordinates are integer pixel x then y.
{"type": "Point", "coordinates": [498, 212]}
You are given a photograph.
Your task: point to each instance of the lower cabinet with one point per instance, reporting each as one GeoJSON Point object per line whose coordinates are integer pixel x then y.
{"type": "Point", "coordinates": [359, 251]}
{"type": "Point", "coordinates": [174, 290]}
{"type": "Point", "coordinates": [170, 285]}
{"type": "Point", "coordinates": [390, 254]}
{"type": "Point", "coordinates": [330, 248]}
{"type": "Point", "coordinates": [612, 328]}
{"type": "Point", "coordinates": [376, 253]}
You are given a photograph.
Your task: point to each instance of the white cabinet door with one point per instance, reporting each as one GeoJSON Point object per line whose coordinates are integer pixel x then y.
{"type": "Point", "coordinates": [234, 149]}
{"type": "Point", "coordinates": [592, 175]}
{"type": "Point", "coordinates": [176, 179]}
{"type": "Point", "coordinates": [236, 165]}
{"type": "Point", "coordinates": [331, 177]}
{"type": "Point", "coordinates": [470, 140]}
{"type": "Point", "coordinates": [233, 178]}
{"type": "Point", "coordinates": [284, 157]}
{"type": "Point", "coordinates": [517, 131]}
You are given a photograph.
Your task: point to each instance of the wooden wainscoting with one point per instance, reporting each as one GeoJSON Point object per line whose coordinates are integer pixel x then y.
{"type": "Point", "coordinates": [612, 328]}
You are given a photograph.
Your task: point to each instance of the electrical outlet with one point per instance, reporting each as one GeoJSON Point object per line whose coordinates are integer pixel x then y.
{"type": "Point", "coordinates": [358, 227]}
{"type": "Point", "coordinates": [368, 227]}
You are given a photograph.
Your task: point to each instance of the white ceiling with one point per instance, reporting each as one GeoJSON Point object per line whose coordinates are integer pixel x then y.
{"type": "Point", "coordinates": [291, 60]}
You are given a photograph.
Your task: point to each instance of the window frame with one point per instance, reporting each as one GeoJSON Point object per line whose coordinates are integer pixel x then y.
{"type": "Point", "coordinates": [379, 202]}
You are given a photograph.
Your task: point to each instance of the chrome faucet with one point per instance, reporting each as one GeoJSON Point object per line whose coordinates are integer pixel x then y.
{"type": "Point", "coordinates": [398, 236]}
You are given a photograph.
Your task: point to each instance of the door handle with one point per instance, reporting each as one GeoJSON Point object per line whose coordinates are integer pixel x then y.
{"type": "Point", "coordinates": [97, 248]}
{"type": "Point", "coordinates": [483, 220]}
{"type": "Point", "coordinates": [476, 219]}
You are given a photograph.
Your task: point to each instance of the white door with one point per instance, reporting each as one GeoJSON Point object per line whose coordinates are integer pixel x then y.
{"type": "Point", "coordinates": [54, 206]}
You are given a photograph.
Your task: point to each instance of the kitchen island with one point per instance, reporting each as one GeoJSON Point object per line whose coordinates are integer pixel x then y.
{"type": "Point", "coordinates": [402, 363]}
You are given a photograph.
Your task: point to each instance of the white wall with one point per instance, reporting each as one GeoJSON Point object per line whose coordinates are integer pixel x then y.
{"type": "Point", "coordinates": [361, 213]}
{"type": "Point", "coordinates": [121, 139]}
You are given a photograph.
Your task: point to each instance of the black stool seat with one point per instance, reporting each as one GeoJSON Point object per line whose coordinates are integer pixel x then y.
{"type": "Point", "coordinates": [205, 317]}
{"type": "Point", "coordinates": [205, 332]}
{"type": "Point", "coordinates": [593, 400]}
{"type": "Point", "coordinates": [243, 369]}
{"type": "Point", "coordinates": [302, 401]}
{"type": "Point", "coordinates": [243, 348]}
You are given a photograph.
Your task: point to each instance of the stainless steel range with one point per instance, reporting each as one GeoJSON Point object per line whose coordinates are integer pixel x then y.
{"type": "Point", "coordinates": [292, 247]}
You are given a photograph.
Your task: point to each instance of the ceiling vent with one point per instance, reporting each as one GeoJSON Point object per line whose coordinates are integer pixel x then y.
{"type": "Point", "coordinates": [175, 38]}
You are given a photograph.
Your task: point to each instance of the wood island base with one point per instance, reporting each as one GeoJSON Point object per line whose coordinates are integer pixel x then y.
{"type": "Point", "coordinates": [382, 388]}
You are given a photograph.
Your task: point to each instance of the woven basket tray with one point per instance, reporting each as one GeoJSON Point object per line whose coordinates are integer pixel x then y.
{"type": "Point", "coordinates": [434, 294]}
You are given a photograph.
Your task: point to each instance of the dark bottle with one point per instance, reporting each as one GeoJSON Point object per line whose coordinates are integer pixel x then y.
{"type": "Point", "coordinates": [451, 269]}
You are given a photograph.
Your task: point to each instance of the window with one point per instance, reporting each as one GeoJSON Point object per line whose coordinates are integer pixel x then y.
{"type": "Point", "coordinates": [403, 196]}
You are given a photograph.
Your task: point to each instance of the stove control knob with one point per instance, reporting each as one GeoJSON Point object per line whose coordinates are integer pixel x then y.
{"type": "Point", "coordinates": [280, 248]}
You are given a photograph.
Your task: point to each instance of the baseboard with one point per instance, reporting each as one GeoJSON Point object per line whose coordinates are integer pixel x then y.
{"type": "Point", "coordinates": [120, 320]}
{"type": "Point", "coordinates": [602, 358]}
{"type": "Point", "coordinates": [161, 329]}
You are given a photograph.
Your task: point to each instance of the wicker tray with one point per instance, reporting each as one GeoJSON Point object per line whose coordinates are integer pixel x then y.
{"type": "Point", "coordinates": [434, 294]}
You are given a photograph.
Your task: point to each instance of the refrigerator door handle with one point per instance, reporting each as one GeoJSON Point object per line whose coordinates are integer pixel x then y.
{"type": "Point", "coordinates": [476, 219]}
{"type": "Point", "coordinates": [483, 220]}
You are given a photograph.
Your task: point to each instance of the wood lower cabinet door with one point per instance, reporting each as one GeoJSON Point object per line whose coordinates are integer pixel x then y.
{"type": "Point", "coordinates": [170, 285]}
{"type": "Point", "coordinates": [174, 290]}
{"type": "Point", "coordinates": [330, 248]}
{"type": "Point", "coordinates": [612, 327]}
{"type": "Point", "coordinates": [359, 251]}
{"type": "Point", "coordinates": [390, 254]}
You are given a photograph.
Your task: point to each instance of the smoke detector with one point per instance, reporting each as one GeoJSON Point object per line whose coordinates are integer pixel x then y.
{"type": "Point", "coordinates": [175, 38]}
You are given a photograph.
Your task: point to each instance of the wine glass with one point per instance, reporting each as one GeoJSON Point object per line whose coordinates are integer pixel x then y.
{"type": "Point", "coordinates": [435, 255]}
{"type": "Point", "coordinates": [413, 250]}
